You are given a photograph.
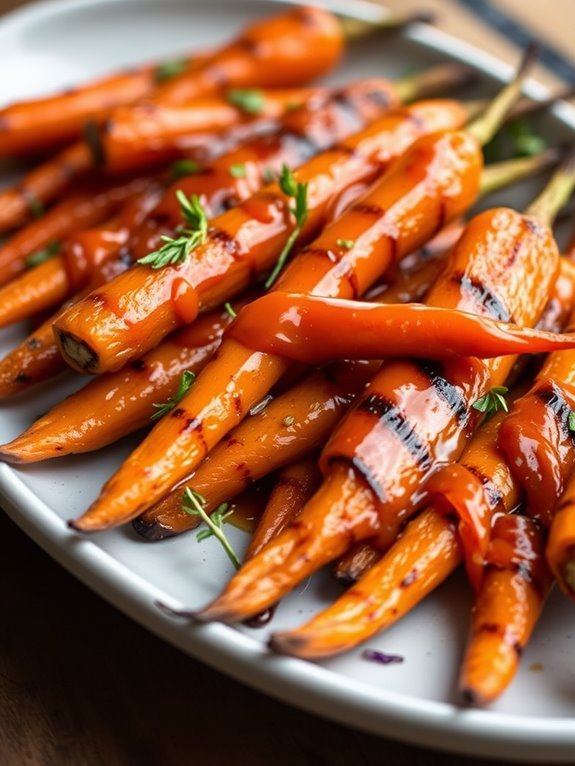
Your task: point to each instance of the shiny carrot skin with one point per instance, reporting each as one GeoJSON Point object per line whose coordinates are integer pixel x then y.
{"type": "Point", "coordinates": [80, 211]}
{"type": "Point", "coordinates": [516, 584]}
{"type": "Point", "coordinates": [45, 123]}
{"type": "Point", "coordinates": [415, 413]}
{"type": "Point", "coordinates": [283, 51]}
{"type": "Point", "coordinates": [147, 135]}
{"type": "Point", "coordinates": [438, 175]}
{"type": "Point", "coordinates": [298, 327]}
{"type": "Point", "coordinates": [117, 404]}
{"type": "Point", "coordinates": [241, 243]}
{"type": "Point", "coordinates": [263, 443]}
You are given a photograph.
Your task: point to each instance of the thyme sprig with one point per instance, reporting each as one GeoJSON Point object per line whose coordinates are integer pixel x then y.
{"type": "Point", "coordinates": [184, 385]}
{"type": "Point", "coordinates": [194, 504]}
{"type": "Point", "coordinates": [193, 233]}
{"type": "Point", "coordinates": [493, 401]}
{"type": "Point", "coordinates": [298, 192]}
{"type": "Point", "coordinates": [39, 256]}
{"type": "Point", "coordinates": [249, 100]}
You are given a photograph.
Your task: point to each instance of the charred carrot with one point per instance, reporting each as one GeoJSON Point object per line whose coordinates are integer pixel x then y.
{"type": "Point", "coordinates": [80, 211]}
{"type": "Point", "coordinates": [241, 242]}
{"type": "Point", "coordinates": [516, 584]}
{"type": "Point", "coordinates": [560, 551]}
{"type": "Point", "coordinates": [291, 426]}
{"type": "Point", "coordinates": [414, 414]}
{"type": "Point", "coordinates": [44, 123]}
{"type": "Point", "coordinates": [438, 176]}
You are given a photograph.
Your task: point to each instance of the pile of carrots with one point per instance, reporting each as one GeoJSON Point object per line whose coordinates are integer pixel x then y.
{"type": "Point", "coordinates": [232, 250]}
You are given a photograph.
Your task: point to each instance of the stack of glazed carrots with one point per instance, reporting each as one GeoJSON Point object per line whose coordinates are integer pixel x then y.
{"type": "Point", "coordinates": [193, 235]}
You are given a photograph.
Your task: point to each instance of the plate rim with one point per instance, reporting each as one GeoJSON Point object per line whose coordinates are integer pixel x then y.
{"type": "Point", "coordinates": [379, 711]}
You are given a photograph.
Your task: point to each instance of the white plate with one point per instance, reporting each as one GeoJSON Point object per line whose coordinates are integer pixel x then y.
{"type": "Point", "coordinates": [50, 45]}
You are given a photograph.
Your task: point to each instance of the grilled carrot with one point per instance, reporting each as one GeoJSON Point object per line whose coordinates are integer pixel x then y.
{"type": "Point", "coordinates": [241, 242]}
{"type": "Point", "coordinates": [412, 414]}
{"type": "Point", "coordinates": [84, 209]}
{"type": "Point", "coordinates": [44, 123]}
{"type": "Point", "coordinates": [516, 584]}
{"type": "Point", "coordinates": [437, 177]}
{"type": "Point", "coordinates": [290, 427]}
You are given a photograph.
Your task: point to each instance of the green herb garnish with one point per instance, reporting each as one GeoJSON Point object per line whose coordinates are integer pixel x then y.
{"type": "Point", "coordinates": [194, 232]}
{"type": "Point", "coordinates": [230, 310]}
{"type": "Point", "coordinates": [250, 101]}
{"type": "Point", "coordinates": [493, 401]}
{"type": "Point", "coordinates": [184, 385]}
{"type": "Point", "coordinates": [238, 170]}
{"type": "Point", "coordinates": [571, 421]}
{"type": "Point", "coordinates": [36, 206]}
{"type": "Point", "coordinates": [168, 69]}
{"type": "Point", "coordinates": [181, 168]}
{"type": "Point", "coordinates": [194, 504]}
{"type": "Point", "coordinates": [288, 421]}
{"type": "Point", "coordinates": [298, 192]}
{"type": "Point", "coordinates": [346, 243]}
{"type": "Point", "coordinates": [39, 256]}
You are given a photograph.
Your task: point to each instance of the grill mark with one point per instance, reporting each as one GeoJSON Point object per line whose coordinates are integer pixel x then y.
{"type": "Point", "coordinates": [520, 568]}
{"type": "Point", "coordinates": [245, 471]}
{"type": "Point", "coordinates": [178, 412]}
{"type": "Point", "coordinates": [447, 391]}
{"type": "Point", "coordinates": [138, 364]}
{"type": "Point", "coordinates": [409, 579]}
{"type": "Point", "coordinates": [552, 397]}
{"type": "Point", "coordinates": [399, 425]}
{"type": "Point", "coordinates": [494, 495]}
{"type": "Point", "coordinates": [22, 378]}
{"type": "Point", "coordinates": [34, 343]}
{"type": "Point", "coordinates": [367, 209]}
{"type": "Point", "coordinates": [227, 240]}
{"type": "Point", "coordinates": [490, 627]}
{"type": "Point", "coordinates": [237, 399]}
{"type": "Point", "coordinates": [482, 296]}
{"type": "Point", "coordinates": [196, 425]}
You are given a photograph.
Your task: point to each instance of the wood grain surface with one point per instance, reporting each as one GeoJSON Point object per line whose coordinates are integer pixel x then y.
{"type": "Point", "coordinates": [82, 685]}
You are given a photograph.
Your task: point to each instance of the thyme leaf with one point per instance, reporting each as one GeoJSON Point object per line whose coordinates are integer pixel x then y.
{"type": "Point", "coordinates": [184, 385]}
{"type": "Point", "coordinates": [298, 192]}
{"type": "Point", "coordinates": [194, 504]}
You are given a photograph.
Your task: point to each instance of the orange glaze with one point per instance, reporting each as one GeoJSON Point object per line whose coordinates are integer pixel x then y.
{"type": "Point", "coordinates": [249, 238]}
{"type": "Point", "coordinates": [298, 327]}
{"type": "Point", "coordinates": [561, 545]}
{"type": "Point", "coordinates": [150, 134]}
{"type": "Point", "coordinates": [437, 179]}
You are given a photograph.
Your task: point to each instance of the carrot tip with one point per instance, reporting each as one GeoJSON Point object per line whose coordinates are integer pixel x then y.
{"type": "Point", "coordinates": [469, 697]}
{"type": "Point", "coordinates": [215, 612]}
{"type": "Point", "coordinates": [85, 525]}
{"type": "Point", "coordinates": [287, 643]}
{"type": "Point", "coordinates": [152, 531]}
{"type": "Point", "coordinates": [8, 456]}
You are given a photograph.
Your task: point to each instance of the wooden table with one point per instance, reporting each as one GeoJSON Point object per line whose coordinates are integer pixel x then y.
{"type": "Point", "coordinates": [82, 685]}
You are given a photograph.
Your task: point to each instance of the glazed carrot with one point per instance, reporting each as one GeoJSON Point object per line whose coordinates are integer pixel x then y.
{"type": "Point", "coordinates": [147, 135]}
{"type": "Point", "coordinates": [516, 584]}
{"type": "Point", "coordinates": [114, 405]}
{"type": "Point", "coordinates": [437, 177]}
{"type": "Point", "coordinates": [299, 327]}
{"type": "Point", "coordinates": [290, 427]}
{"type": "Point", "coordinates": [413, 414]}
{"type": "Point", "coordinates": [240, 243]}
{"type": "Point", "coordinates": [44, 123]}
{"type": "Point", "coordinates": [84, 209]}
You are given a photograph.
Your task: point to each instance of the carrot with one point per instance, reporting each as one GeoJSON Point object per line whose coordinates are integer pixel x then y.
{"type": "Point", "coordinates": [241, 242]}
{"type": "Point", "coordinates": [146, 134]}
{"type": "Point", "coordinates": [81, 210]}
{"type": "Point", "coordinates": [45, 123]}
{"type": "Point", "coordinates": [415, 414]}
{"type": "Point", "coordinates": [509, 604]}
{"type": "Point", "coordinates": [114, 405]}
{"type": "Point", "coordinates": [438, 176]}
{"type": "Point", "coordinates": [298, 327]}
